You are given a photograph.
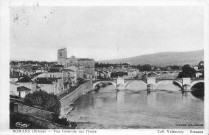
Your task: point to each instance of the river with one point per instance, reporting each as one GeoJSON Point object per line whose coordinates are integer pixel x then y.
{"type": "Point", "coordinates": [122, 109]}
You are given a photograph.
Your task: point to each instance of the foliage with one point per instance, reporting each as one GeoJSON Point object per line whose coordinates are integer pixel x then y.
{"type": "Point", "coordinates": [187, 71]}
{"type": "Point", "coordinates": [201, 65]}
{"type": "Point", "coordinates": [80, 80]}
{"type": "Point", "coordinates": [47, 101]}
{"type": "Point", "coordinates": [42, 63]}
{"type": "Point", "coordinates": [61, 121]}
{"type": "Point", "coordinates": [116, 74]}
{"type": "Point", "coordinates": [106, 65]}
{"type": "Point", "coordinates": [175, 67]}
{"type": "Point", "coordinates": [145, 67]}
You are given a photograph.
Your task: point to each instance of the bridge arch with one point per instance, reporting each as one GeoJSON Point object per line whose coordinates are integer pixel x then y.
{"type": "Point", "coordinates": [104, 81]}
{"type": "Point", "coordinates": [196, 82]}
{"type": "Point", "coordinates": [197, 88]}
{"type": "Point", "coordinates": [166, 85]}
{"type": "Point", "coordinates": [140, 83]}
{"type": "Point", "coordinates": [177, 83]}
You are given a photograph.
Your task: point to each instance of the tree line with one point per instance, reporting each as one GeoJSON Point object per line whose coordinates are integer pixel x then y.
{"type": "Point", "coordinates": [31, 62]}
{"type": "Point", "coordinates": [145, 67]}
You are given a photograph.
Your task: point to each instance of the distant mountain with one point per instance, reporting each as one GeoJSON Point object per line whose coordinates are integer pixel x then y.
{"type": "Point", "coordinates": [163, 58]}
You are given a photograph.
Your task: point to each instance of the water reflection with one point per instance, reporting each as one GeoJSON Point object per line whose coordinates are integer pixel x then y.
{"type": "Point", "coordinates": [98, 102]}
{"type": "Point", "coordinates": [151, 98]}
{"type": "Point", "coordinates": [198, 93]}
{"type": "Point", "coordinates": [187, 97]}
{"type": "Point", "coordinates": [126, 108]}
{"type": "Point", "coordinates": [198, 90]}
{"type": "Point", "coordinates": [120, 96]}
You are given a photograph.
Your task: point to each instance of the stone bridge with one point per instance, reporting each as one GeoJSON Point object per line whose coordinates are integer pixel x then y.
{"type": "Point", "coordinates": [150, 83]}
{"type": "Point", "coordinates": [161, 72]}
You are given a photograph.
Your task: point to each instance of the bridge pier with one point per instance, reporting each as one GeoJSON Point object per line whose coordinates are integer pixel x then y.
{"type": "Point", "coordinates": [186, 84]}
{"type": "Point", "coordinates": [120, 83]}
{"type": "Point", "coordinates": [151, 82]}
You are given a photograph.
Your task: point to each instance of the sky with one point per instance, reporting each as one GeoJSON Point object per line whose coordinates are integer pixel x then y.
{"type": "Point", "coordinates": [101, 33]}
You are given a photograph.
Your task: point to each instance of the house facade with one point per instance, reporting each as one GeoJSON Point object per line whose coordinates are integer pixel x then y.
{"type": "Point", "coordinates": [86, 66]}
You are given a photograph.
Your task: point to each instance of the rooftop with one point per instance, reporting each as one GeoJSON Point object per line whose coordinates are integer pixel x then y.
{"type": "Point", "coordinates": [23, 88]}
{"type": "Point", "coordinates": [67, 69]}
{"type": "Point", "coordinates": [36, 74]}
{"type": "Point", "coordinates": [53, 70]}
{"type": "Point", "coordinates": [55, 66]}
{"type": "Point", "coordinates": [45, 80]}
{"type": "Point", "coordinates": [24, 79]}
{"type": "Point", "coordinates": [14, 74]}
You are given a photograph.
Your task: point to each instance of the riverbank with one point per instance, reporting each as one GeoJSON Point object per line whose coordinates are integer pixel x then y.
{"type": "Point", "coordinates": [69, 98]}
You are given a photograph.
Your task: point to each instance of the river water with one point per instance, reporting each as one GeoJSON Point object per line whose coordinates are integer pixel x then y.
{"type": "Point", "coordinates": [139, 109]}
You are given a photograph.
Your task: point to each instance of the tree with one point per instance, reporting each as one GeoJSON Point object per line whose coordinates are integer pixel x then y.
{"type": "Point", "coordinates": [175, 67]}
{"type": "Point", "coordinates": [120, 74]}
{"type": "Point", "coordinates": [47, 101]}
{"type": "Point", "coordinates": [146, 67]}
{"type": "Point", "coordinates": [187, 71]}
{"type": "Point", "coordinates": [201, 66]}
{"type": "Point", "coordinates": [80, 80]}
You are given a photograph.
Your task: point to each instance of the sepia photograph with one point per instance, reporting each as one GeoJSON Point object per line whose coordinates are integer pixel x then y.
{"type": "Point", "coordinates": [107, 67]}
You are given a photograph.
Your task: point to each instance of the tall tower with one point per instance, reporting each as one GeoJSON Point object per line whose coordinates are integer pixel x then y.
{"type": "Point", "coordinates": [61, 56]}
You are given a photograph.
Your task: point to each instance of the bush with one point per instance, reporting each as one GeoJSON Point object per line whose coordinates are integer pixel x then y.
{"type": "Point", "coordinates": [61, 121]}
{"type": "Point", "coordinates": [47, 101]}
{"type": "Point", "coordinates": [80, 80]}
{"type": "Point", "coordinates": [120, 74]}
{"type": "Point", "coordinates": [187, 71]}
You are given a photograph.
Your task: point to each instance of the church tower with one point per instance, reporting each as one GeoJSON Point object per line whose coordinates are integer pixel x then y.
{"type": "Point", "coordinates": [61, 56]}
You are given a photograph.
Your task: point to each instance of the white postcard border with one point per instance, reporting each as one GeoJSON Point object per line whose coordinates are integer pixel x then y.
{"type": "Point", "coordinates": [5, 53]}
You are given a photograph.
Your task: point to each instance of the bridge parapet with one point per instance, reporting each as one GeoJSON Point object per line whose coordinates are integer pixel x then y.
{"type": "Point", "coordinates": [151, 82]}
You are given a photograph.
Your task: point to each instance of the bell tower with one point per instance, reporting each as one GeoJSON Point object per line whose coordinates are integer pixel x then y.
{"type": "Point", "coordinates": [61, 56]}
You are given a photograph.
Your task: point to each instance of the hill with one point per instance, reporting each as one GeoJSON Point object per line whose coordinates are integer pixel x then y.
{"type": "Point", "coordinates": [163, 58]}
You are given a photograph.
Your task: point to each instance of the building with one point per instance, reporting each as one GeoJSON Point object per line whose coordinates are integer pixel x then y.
{"type": "Point", "coordinates": [50, 85]}
{"type": "Point", "coordinates": [13, 89]}
{"type": "Point", "coordinates": [132, 72]}
{"type": "Point", "coordinates": [72, 61]}
{"type": "Point", "coordinates": [62, 56]}
{"type": "Point", "coordinates": [26, 82]}
{"type": "Point", "coordinates": [198, 74]}
{"type": "Point", "coordinates": [22, 86]}
{"type": "Point", "coordinates": [73, 74]}
{"type": "Point", "coordinates": [54, 81]}
{"type": "Point", "coordinates": [86, 66]}
{"type": "Point", "coordinates": [23, 91]}
{"type": "Point", "coordinates": [201, 66]}
{"type": "Point", "coordinates": [14, 76]}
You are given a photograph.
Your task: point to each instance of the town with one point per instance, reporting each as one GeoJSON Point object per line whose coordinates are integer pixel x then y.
{"type": "Point", "coordinates": [59, 81]}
